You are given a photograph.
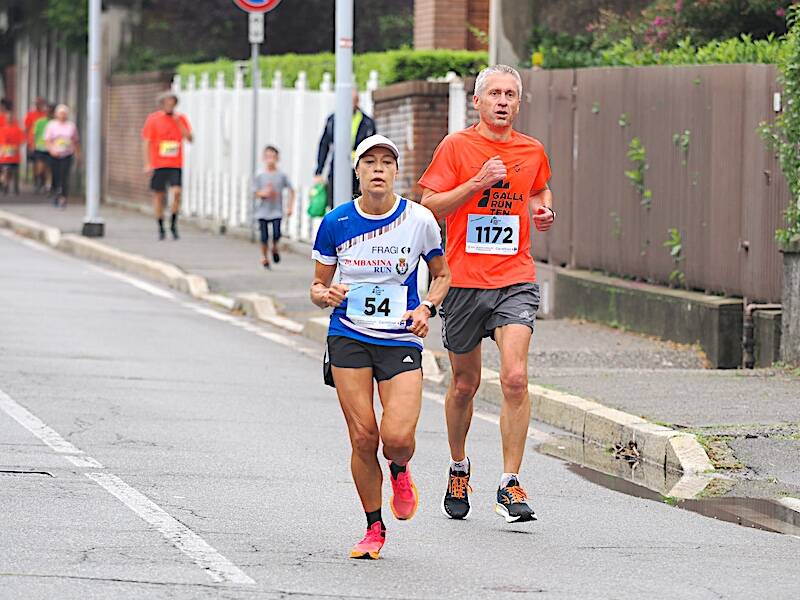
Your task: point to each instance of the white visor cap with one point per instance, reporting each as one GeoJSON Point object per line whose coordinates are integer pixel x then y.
{"type": "Point", "coordinates": [371, 142]}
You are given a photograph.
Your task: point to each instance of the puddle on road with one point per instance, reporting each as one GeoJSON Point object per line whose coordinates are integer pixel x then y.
{"type": "Point", "coordinates": [651, 482]}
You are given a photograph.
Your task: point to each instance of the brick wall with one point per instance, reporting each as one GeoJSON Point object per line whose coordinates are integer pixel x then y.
{"type": "Point", "coordinates": [478, 17]}
{"type": "Point", "coordinates": [413, 114]}
{"type": "Point", "coordinates": [130, 99]}
{"type": "Point", "coordinates": [440, 24]}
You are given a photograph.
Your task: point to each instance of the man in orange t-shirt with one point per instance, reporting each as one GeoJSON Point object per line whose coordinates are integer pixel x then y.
{"type": "Point", "coordinates": [38, 111]}
{"type": "Point", "coordinates": [484, 182]}
{"type": "Point", "coordinates": [163, 135]}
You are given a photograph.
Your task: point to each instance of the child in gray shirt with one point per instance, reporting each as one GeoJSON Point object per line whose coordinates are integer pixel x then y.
{"type": "Point", "coordinates": [269, 186]}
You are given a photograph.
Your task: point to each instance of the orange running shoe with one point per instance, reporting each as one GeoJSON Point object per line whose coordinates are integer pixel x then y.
{"type": "Point", "coordinates": [370, 547]}
{"type": "Point", "coordinates": [405, 497]}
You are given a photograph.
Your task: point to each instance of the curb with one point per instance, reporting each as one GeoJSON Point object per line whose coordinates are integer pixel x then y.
{"type": "Point", "coordinates": [670, 449]}
{"type": "Point", "coordinates": [590, 420]}
{"type": "Point", "coordinates": [30, 229]}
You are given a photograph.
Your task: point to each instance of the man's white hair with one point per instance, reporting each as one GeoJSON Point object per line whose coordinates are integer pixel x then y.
{"type": "Point", "coordinates": [480, 81]}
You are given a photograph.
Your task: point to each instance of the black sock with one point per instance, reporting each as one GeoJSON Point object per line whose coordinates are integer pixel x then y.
{"type": "Point", "coordinates": [161, 225]}
{"type": "Point", "coordinates": [375, 517]}
{"type": "Point", "coordinates": [396, 469]}
{"type": "Point", "coordinates": [173, 221]}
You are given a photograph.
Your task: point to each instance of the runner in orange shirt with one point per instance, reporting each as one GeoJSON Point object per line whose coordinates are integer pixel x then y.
{"type": "Point", "coordinates": [11, 138]}
{"type": "Point", "coordinates": [39, 160]}
{"type": "Point", "coordinates": [485, 182]}
{"type": "Point", "coordinates": [163, 134]}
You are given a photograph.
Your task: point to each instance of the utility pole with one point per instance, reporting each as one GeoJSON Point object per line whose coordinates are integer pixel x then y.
{"type": "Point", "coordinates": [256, 32]}
{"type": "Point", "coordinates": [93, 225]}
{"type": "Point", "coordinates": [342, 135]}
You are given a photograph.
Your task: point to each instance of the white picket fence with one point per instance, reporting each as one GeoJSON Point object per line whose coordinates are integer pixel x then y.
{"type": "Point", "coordinates": [217, 177]}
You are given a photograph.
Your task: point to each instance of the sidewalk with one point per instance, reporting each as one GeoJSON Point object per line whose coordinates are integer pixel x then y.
{"type": "Point", "coordinates": [749, 421]}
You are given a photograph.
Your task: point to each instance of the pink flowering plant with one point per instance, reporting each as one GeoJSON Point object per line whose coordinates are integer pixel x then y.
{"type": "Point", "coordinates": [664, 23]}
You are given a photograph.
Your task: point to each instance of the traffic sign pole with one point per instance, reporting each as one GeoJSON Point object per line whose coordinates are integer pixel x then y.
{"type": "Point", "coordinates": [93, 225]}
{"type": "Point", "coordinates": [256, 28]}
{"type": "Point", "coordinates": [342, 128]}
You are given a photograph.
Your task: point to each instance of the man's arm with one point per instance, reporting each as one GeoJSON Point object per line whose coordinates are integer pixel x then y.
{"type": "Point", "coordinates": [541, 204]}
{"type": "Point", "coordinates": [442, 204]}
{"type": "Point", "coordinates": [324, 145]}
{"type": "Point", "coordinates": [146, 156]}
{"type": "Point", "coordinates": [186, 132]}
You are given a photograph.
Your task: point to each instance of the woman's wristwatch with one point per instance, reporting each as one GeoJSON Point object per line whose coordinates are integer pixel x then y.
{"type": "Point", "coordinates": [431, 307]}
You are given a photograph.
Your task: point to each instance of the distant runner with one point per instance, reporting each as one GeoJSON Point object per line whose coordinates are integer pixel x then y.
{"type": "Point", "coordinates": [485, 181]}
{"type": "Point", "coordinates": [40, 154]}
{"type": "Point", "coordinates": [163, 134]}
{"type": "Point", "coordinates": [269, 187]}
{"type": "Point", "coordinates": [377, 242]}
{"type": "Point", "coordinates": [39, 111]}
{"type": "Point", "coordinates": [11, 138]}
{"type": "Point", "coordinates": [63, 145]}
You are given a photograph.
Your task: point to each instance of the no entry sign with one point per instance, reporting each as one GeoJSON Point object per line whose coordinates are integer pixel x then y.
{"type": "Point", "coordinates": [257, 6]}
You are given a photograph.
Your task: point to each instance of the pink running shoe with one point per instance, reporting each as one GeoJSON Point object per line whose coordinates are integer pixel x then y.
{"type": "Point", "coordinates": [405, 498]}
{"type": "Point", "coordinates": [370, 547]}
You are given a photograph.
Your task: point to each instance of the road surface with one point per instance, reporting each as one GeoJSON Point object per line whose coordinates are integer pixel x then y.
{"type": "Point", "coordinates": [173, 451]}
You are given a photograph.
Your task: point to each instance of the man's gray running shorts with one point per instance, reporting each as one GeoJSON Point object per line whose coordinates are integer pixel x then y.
{"type": "Point", "coordinates": [469, 314]}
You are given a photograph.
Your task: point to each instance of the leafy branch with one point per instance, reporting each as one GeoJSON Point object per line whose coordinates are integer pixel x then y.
{"type": "Point", "coordinates": [783, 135]}
{"type": "Point", "coordinates": [675, 244]}
{"type": "Point", "coordinates": [637, 154]}
{"type": "Point", "coordinates": [681, 140]}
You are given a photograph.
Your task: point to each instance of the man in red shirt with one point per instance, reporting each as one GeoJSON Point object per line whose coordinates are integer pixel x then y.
{"type": "Point", "coordinates": [163, 135]}
{"type": "Point", "coordinates": [485, 182]}
{"type": "Point", "coordinates": [39, 161]}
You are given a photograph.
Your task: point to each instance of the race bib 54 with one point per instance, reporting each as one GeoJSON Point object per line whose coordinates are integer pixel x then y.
{"type": "Point", "coordinates": [377, 306]}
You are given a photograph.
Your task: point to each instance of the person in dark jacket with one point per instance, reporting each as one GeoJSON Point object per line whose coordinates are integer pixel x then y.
{"type": "Point", "coordinates": [362, 127]}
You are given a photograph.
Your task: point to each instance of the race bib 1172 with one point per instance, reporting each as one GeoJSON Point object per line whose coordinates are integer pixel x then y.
{"type": "Point", "coordinates": [493, 234]}
{"type": "Point", "coordinates": [377, 306]}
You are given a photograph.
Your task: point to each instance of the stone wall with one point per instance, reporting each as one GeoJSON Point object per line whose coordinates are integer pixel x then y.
{"type": "Point", "coordinates": [790, 334]}
{"type": "Point", "coordinates": [130, 99]}
{"type": "Point", "coordinates": [413, 115]}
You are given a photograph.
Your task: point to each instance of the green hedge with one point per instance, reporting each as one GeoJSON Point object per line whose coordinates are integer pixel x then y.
{"type": "Point", "coordinates": [392, 66]}
{"type": "Point", "coordinates": [556, 53]}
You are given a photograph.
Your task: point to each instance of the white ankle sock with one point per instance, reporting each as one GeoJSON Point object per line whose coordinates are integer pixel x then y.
{"type": "Point", "coordinates": [460, 465]}
{"type": "Point", "coordinates": [508, 477]}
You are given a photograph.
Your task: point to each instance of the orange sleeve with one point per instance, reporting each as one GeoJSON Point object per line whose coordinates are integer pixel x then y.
{"type": "Point", "coordinates": [543, 176]}
{"type": "Point", "coordinates": [442, 172]}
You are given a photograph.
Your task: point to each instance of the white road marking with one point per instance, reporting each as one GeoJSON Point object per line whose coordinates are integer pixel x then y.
{"type": "Point", "coordinates": [137, 283]}
{"type": "Point", "coordinates": [48, 435]}
{"type": "Point", "coordinates": [219, 568]}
